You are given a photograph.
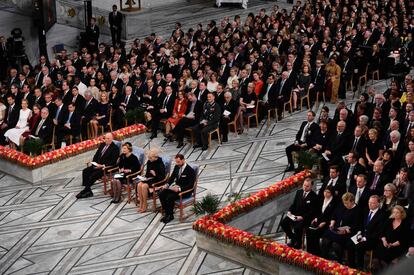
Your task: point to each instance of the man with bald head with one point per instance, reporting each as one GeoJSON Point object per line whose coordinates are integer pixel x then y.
{"type": "Point", "coordinates": [106, 155]}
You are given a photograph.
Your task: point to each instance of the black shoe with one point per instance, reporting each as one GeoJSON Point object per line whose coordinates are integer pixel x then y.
{"type": "Point", "coordinates": [163, 219]}
{"type": "Point", "coordinates": [180, 144]}
{"type": "Point", "coordinates": [290, 168]}
{"type": "Point", "coordinates": [224, 139]}
{"type": "Point", "coordinates": [154, 135]}
{"type": "Point", "coordinates": [291, 244]}
{"type": "Point", "coordinates": [204, 148]}
{"type": "Point", "coordinates": [84, 194]}
{"type": "Point", "coordinates": [115, 201]}
{"type": "Point", "coordinates": [168, 218]}
{"type": "Point", "coordinates": [197, 146]}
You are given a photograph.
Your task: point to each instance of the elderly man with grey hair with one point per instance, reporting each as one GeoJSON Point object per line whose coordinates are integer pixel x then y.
{"type": "Point", "coordinates": [229, 108]}
{"type": "Point", "coordinates": [395, 144]}
{"type": "Point", "coordinates": [88, 111]}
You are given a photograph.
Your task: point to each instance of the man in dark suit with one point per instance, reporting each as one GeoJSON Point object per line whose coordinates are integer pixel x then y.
{"type": "Point", "coordinates": [361, 191]}
{"type": "Point", "coordinates": [182, 179]}
{"type": "Point", "coordinates": [334, 182]}
{"type": "Point", "coordinates": [306, 138]}
{"type": "Point", "coordinates": [346, 75]}
{"type": "Point", "coordinates": [336, 148]}
{"type": "Point", "coordinates": [192, 116]}
{"type": "Point", "coordinates": [26, 94]}
{"type": "Point", "coordinates": [92, 33]}
{"type": "Point", "coordinates": [66, 93]}
{"type": "Point", "coordinates": [43, 129]}
{"type": "Point", "coordinates": [209, 121]}
{"type": "Point", "coordinates": [300, 214]}
{"type": "Point", "coordinates": [317, 80]}
{"type": "Point", "coordinates": [106, 155]}
{"type": "Point", "coordinates": [202, 92]}
{"type": "Point", "coordinates": [377, 179]}
{"type": "Point", "coordinates": [164, 112]}
{"type": "Point", "coordinates": [115, 24]}
{"type": "Point", "coordinates": [283, 90]}
{"type": "Point", "coordinates": [369, 238]}
{"type": "Point", "coordinates": [11, 118]}
{"type": "Point", "coordinates": [229, 108]}
{"type": "Point", "coordinates": [357, 142]}
{"type": "Point", "coordinates": [89, 110]}
{"type": "Point", "coordinates": [78, 100]}
{"type": "Point", "coordinates": [351, 170]}
{"type": "Point", "coordinates": [267, 97]}
{"type": "Point", "coordinates": [71, 125]}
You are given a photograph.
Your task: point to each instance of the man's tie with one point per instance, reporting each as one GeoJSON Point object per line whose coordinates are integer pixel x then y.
{"type": "Point", "coordinates": [39, 127]}
{"type": "Point", "coordinates": [304, 195]}
{"type": "Point", "coordinates": [180, 172]}
{"type": "Point", "coordinates": [358, 196]}
{"type": "Point", "coordinates": [165, 102]}
{"type": "Point", "coordinates": [330, 183]}
{"type": "Point", "coordinates": [58, 112]}
{"type": "Point", "coordinates": [305, 132]}
{"type": "Point", "coordinates": [9, 113]}
{"type": "Point", "coordinates": [104, 150]}
{"type": "Point", "coordinates": [126, 99]}
{"type": "Point", "coordinates": [355, 144]}
{"type": "Point", "coordinates": [374, 182]}
{"type": "Point", "coordinates": [69, 118]}
{"type": "Point", "coordinates": [369, 217]}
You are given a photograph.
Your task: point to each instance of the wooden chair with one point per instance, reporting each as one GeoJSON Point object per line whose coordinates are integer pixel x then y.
{"type": "Point", "coordinates": [210, 134]}
{"type": "Point", "coordinates": [102, 128]}
{"type": "Point", "coordinates": [269, 114]}
{"type": "Point", "coordinates": [106, 170]}
{"type": "Point", "coordinates": [302, 98]}
{"type": "Point", "coordinates": [190, 131]}
{"type": "Point", "coordinates": [288, 103]}
{"type": "Point", "coordinates": [51, 145]}
{"type": "Point", "coordinates": [254, 114]}
{"type": "Point", "coordinates": [374, 76]}
{"type": "Point", "coordinates": [317, 98]}
{"type": "Point", "coordinates": [234, 123]}
{"type": "Point", "coordinates": [363, 79]}
{"type": "Point", "coordinates": [185, 202]}
{"type": "Point", "coordinates": [139, 153]}
{"type": "Point", "coordinates": [167, 163]}
{"type": "Point", "coordinates": [370, 254]}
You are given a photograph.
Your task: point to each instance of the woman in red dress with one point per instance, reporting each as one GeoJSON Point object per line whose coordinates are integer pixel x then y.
{"type": "Point", "coordinates": [32, 122]}
{"type": "Point", "coordinates": [180, 106]}
{"type": "Point", "coordinates": [258, 83]}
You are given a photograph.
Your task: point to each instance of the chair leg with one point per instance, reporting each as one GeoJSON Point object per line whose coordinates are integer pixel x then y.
{"type": "Point", "coordinates": [301, 103]}
{"type": "Point", "coordinates": [218, 136]}
{"type": "Point", "coordinates": [257, 120]}
{"type": "Point", "coordinates": [268, 117]}
{"type": "Point", "coordinates": [248, 123]}
{"type": "Point", "coordinates": [129, 193]}
{"type": "Point", "coordinates": [276, 115]}
{"type": "Point", "coordinates": [308, 101]}
{"type": "Point", "coordinates": [209, 139]}
{"type": "Point", "coordinates": [181, 213]}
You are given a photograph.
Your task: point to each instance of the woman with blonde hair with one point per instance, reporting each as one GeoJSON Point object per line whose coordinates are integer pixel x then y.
{"type": "Point", "coordinates": [101, 117]}
{"type": "Point", "coordinates": [155, 172]}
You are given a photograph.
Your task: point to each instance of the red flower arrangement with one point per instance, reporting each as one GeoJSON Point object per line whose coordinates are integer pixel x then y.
{"type": "Point", "coordinates": [69, 151]}
{"type": "Point", "coordinates": [214, 226]}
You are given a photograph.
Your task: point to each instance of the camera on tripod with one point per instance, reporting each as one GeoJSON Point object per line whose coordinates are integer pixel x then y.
{"type": "Point", "coordinates": [16, 41]}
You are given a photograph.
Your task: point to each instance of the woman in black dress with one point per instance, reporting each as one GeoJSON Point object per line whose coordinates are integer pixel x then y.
{"type": "Point", "coordinates": [128, 163]}
{"type": "Point", "coordinates": [394, 238]}
{"type": "Point", "coordinates": [343, 225]}
{"type": "Point", "coordinates": [155, 173]}
{"type": "Point", "coordinates": [320, 224]}
{"type": "Point", "coordinates": [304, 80]}
{"type": "Point", "coordinates": [247, 101]}
{"type": "Point", "coordinates": [373, 150]}
{"type": "Point", "coordinates": [101, 118]}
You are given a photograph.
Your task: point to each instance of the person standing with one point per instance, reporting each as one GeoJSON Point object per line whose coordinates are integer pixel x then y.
{"type": "Point", "coordinates": [92, 32]}
{"type": "Point", "coordinates": [115, 24]}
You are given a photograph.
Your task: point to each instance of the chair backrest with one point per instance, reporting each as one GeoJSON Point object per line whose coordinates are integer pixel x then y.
{"type": "Point", "coordinates": [167, 163]}
{"type": "Point", "coordinates": [196, 169]}
{"type": "Point", "coordinates": [140, 153]}
{"type": "Point", "coordinates": [118, 144]}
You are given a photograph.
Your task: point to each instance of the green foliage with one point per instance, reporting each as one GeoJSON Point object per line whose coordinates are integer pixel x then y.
{"type": "Point", "coordinates": [307, 159]}
{"type": "Point", "coordinates": [33, 146]}
{"type": "Point", "coordinates": [208, 205]}
{"type": "Point", "coordinates": [134, 116]}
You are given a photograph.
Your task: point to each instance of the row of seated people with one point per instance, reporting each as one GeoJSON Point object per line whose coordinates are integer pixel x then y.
{"type": "Point", "coordinates": [125, 168]}
{"type": "Point", "coordinates": [343, 226]}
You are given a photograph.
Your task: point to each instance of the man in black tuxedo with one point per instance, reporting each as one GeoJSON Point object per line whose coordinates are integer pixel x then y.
{"type": "Point", "coordinates": [361, 191]}
{"type": "Point", "coordinates": [164, 112]}
{"type": "Point", "coordinates": [106, 156]}
{"type": "Point", "coordinates": [71, 125]}
{"type": "Point", "coordinates": [115, 24]}
{"type": "Point", "coordinates": [230, 108]}
{"type": "Point", "coordinates": [283, 90]}
{"type": "Point", "coordinates": [334, 182]}
{"type": "Point", "coordinates": [306, 138]}
{"type": "Point", "coordinates": [209, 120]}
{"type": "Point", "coordinates": [89, 110]}
{"type": "Point", "coordinates": [92, 33]}
{"type": "Point", "coordinates": [78, 100]}
{"type": "Point", "coordinates": [192, 116]}
{"type": "Point", "coordinates": [351, 170]}
{"type": "Point", "coordinates": [300, 214]}
{"type": "Point", "coordinates": [357, 143]}
{"type": "Point", "coordinates": [43, 129]}
{"type": "Point", "coordinates": [369, 238]}
{"type": "Point", "coordinates": [66, 94]}
{"type": "Point", "coordinates": [346, 75]}
{"type": "Point", "coordinates": [267, 97]}
{"type": "Point", "coordinates": [317, 80]}
{"type": "Point", "coordinates": [336, 148]}
{"type": "Point", "coordinates": [11, 118]}
{"type": "Point", "coordinates": [182, 179]}
{"type": "Point", "coordinates": [61, 113]}
{"type": "Point", "coordinates": [377, 179]}
{"type": "Point", "coordinates": [202, 92]}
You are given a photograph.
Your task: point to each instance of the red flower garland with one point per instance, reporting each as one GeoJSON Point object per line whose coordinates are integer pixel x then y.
{"type": "Point", "coordinates": [214, 227]}
{"type": "Point", "coordinates": [69, 151]}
